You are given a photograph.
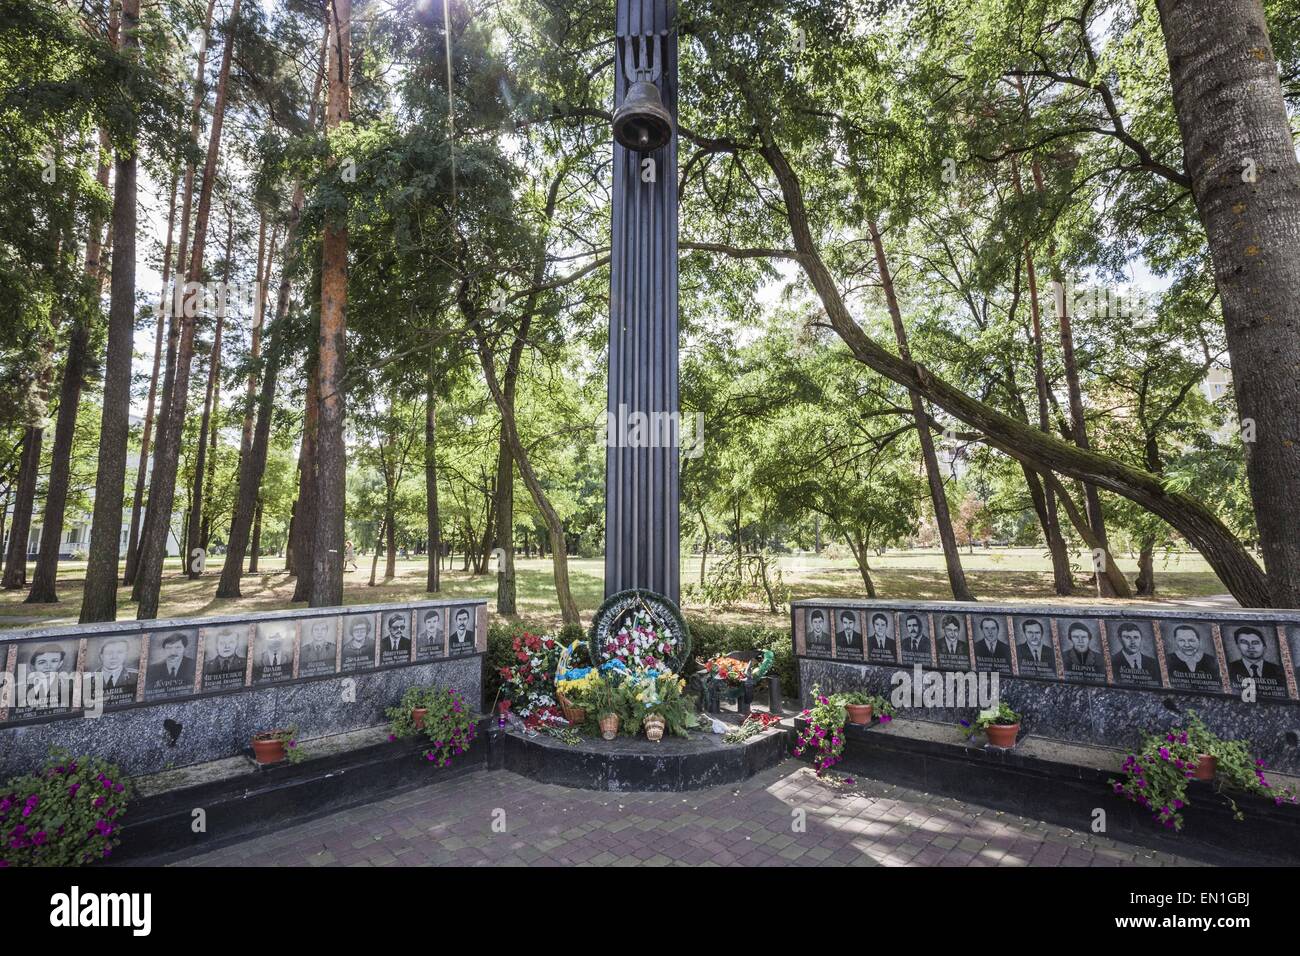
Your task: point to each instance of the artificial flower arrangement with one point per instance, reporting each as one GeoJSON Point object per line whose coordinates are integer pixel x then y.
{"type": "Point", "coordinates": [729, 669]}
{"type": "Point", "coordinates": [1156, 777]}
{"type": "Point", "coordinates": [528, 685]}
{"type": "Point", "coordinates": [642, 643]}
{"type": "Point", "coordinates": [823, 736]}
{"type": "Point", "coordinates": [661, 694]}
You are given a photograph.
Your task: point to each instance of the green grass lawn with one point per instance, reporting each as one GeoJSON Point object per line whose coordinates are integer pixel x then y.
{"type": "Point", "coordinates": [996, 574]}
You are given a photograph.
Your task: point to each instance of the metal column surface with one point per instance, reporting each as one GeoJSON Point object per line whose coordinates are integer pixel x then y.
{"type": "Point", "coordinates": [641, 482]}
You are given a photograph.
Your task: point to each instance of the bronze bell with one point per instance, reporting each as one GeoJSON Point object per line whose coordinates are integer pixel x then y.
{"type": "Point", "coordinates": [641, 123]}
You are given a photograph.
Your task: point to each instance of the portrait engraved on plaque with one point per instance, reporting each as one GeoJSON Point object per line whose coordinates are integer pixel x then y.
{"type": "Point", "coordinates": [44, 678]}
{"type": "Point", "coordinates": [115, 661]}
{"type": "Point", "coordinates": [1081, 651]}
{"type": "Point", "coordinates": [1133, 654]}
{"type": "Point", "coordinates": [913, 641]}
{"type": "Point", "coordinates": [848, 636]}
{"type": "Point", "coordinates": [817, 633]}
{"type": "Point", "coordinates": [882, 646]}
{"type": "Point", "coordinates": [992, 647]}
{"type": "Point", "coordinates": [273, 651]}
{"type": "Point", "coordinates": [1035, 653]}
{"type": "Point", "coordinates": [953, 651]}
{"type": "Point", "coordinates": [358, 641]}
{"type": "Point", "coordinates": [318, 648]}
{"type": "Point", "coordinates": [1252, 653]}
{"type": "Point", "coordinates": [395, 640]}
{"type": "Point", "coordinates": [1190, 657]}
{"type": "Point", "coordinates": [225, 656]}
{"type": "Point", "coordinates": [171, 668]}
{"type": "Point", "coordinates": [430, 634]}
{"type": "Point", "coordinates": [460, 640]}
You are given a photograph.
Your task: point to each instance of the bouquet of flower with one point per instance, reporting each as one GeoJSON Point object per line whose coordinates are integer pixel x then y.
{"type": "Point", "coordinates": [642, 643]}
{"type": "Point", "coordinates": [661, 693]}
{"type": "Point", "coordinates": [529, 683]}
{"type": "Point", "coordinates": [728, 669]}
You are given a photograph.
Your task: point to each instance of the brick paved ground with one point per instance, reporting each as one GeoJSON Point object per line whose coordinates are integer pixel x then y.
{"type": "Point", "coordinates": [752, 824]}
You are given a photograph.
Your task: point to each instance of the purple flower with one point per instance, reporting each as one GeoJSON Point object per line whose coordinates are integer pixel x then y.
{"type": "Point", "coordinates": [1164, 753]}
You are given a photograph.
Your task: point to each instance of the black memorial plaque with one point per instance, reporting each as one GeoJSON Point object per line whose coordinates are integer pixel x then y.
{"type": "Point", "coordinates": [114, 662]}
{"type": "Point", "coordinates": [225, 656]}
{"type": "Point", "coordinates": [1191, 658]}
{"type": "Point", "coordinates": [1253, 655]}
{"type": "Point", "coordinates": [1081, 651]}
{"type": "Point", "coordinates": [1036, 652]}
{"type": "Point", "coordinates": [395, 637]}
{"type": "Point", "coordinates": [817, 632]}
{"type": "Point", "coordinates": [848, 635]}
{"type": "Point", "coordinates": [950, 644]}
{"type": "Point", "coordinates": [991, 644]}
{"type": "Point", "coordinates": [44, 678]}
{"type": "Point", "coordinates": [430, 634]}
{"type": "Point", "coordinates": [273, 651]}
{"type": "Point", "coordinates": [460, 637]}
{"type": "Point", "coordinates": [318, 646]}
{"type": "Point", "coordinates": [1133, 660]}
{"type": "Point", "coordinates": [172, 663]}
{"type": "Point", "coordinates": [359, 644]}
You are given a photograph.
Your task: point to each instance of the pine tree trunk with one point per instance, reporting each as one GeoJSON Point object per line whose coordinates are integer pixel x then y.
{"type": "Point", "coordinates": [172, 298]}
{"type": "Point", "coordinates": [167, 451]}
{"type": "Point", "coordinates": [938, 498]}
{"type": "Point", "coordinates": [99, 598]}
{"type": "Point", "coordinates": [198, 529]}
{"type": "Point", "coordinates": [304, 524]}
{"type": "Point", "coordinates": [15, 573]}
{"type": "Point", "coordinates": [1240, 155]}
{"type": "Point", "coordinates": [142, 469]}
{"type": "Point", "coordinates": [331, 452]}
{"type": "Point", "coordinates": [433, 582]}
{"type": "Point", "coordinates": [255, 548]}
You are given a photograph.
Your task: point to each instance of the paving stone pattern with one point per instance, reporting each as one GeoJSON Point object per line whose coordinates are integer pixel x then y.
{"type": "Point", "coordinates": [751, 824]}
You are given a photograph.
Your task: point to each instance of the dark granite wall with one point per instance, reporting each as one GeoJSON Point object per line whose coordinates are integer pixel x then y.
{"type": "Point", "coordinates": [223, 725]}
{"type": "Point", "coordinates": [1111, 717]}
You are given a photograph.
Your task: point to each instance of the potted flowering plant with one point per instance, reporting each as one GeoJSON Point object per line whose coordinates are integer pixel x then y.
{"type": "Point", "coordinates": [999, 723]}
{"type": "Point", "coordinates": [861, 707]}
{"type": "Point", "coordinates": [823, 736]}
{"type": "Point", "coordinates": [448, 723]}
{"type": "Point", "coordinates": [68, 813]}
{"type": "Point", "coordinates": [662, 705]}
{"type": "Point", "coordinates": [607, 701]}
{"type": "Point", "coordinates": [1157, 776]}
{"type": "Point", "coordinates": [273, 746]}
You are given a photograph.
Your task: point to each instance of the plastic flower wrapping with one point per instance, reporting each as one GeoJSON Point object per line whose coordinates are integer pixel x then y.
{"type": "Point", "coordinates": [641, 643]}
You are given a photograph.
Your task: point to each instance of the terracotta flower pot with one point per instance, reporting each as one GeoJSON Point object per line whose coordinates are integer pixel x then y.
{"type": "Point", "coordinates": [1002, 735]}
{"type": "Point", "coordinates": [654, 727]}
{"type": "Point", "coordinates": [417, 716]}
{"type": "Point", "coordinates": [609, 726]}
{"type": "Point", "coordinates": [268, 748]}
{"type": "Point", "coordinates": [859, 713]}
{"type": "Point", "coordinates": [1206, 766]}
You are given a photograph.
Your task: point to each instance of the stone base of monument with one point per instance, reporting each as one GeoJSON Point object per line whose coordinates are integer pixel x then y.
{"type": "Point", "coordinates": [179, 813]}
{"type": "Point", "coordinates": [1065, 784]}
{"type": "Point", "coordinates": [634, 763]}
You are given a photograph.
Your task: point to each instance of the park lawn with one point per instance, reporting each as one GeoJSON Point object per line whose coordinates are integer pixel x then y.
{"type": "Point", "coordinates": [995, 574]}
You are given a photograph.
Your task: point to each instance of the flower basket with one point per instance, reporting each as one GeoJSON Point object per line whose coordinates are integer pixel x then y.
{"type": "Point", "coordinates": [573, 714]}
{"type": "Point", "coordinates": [609, 726]}
{"type": "Point", "coordinates": [654, 727]}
